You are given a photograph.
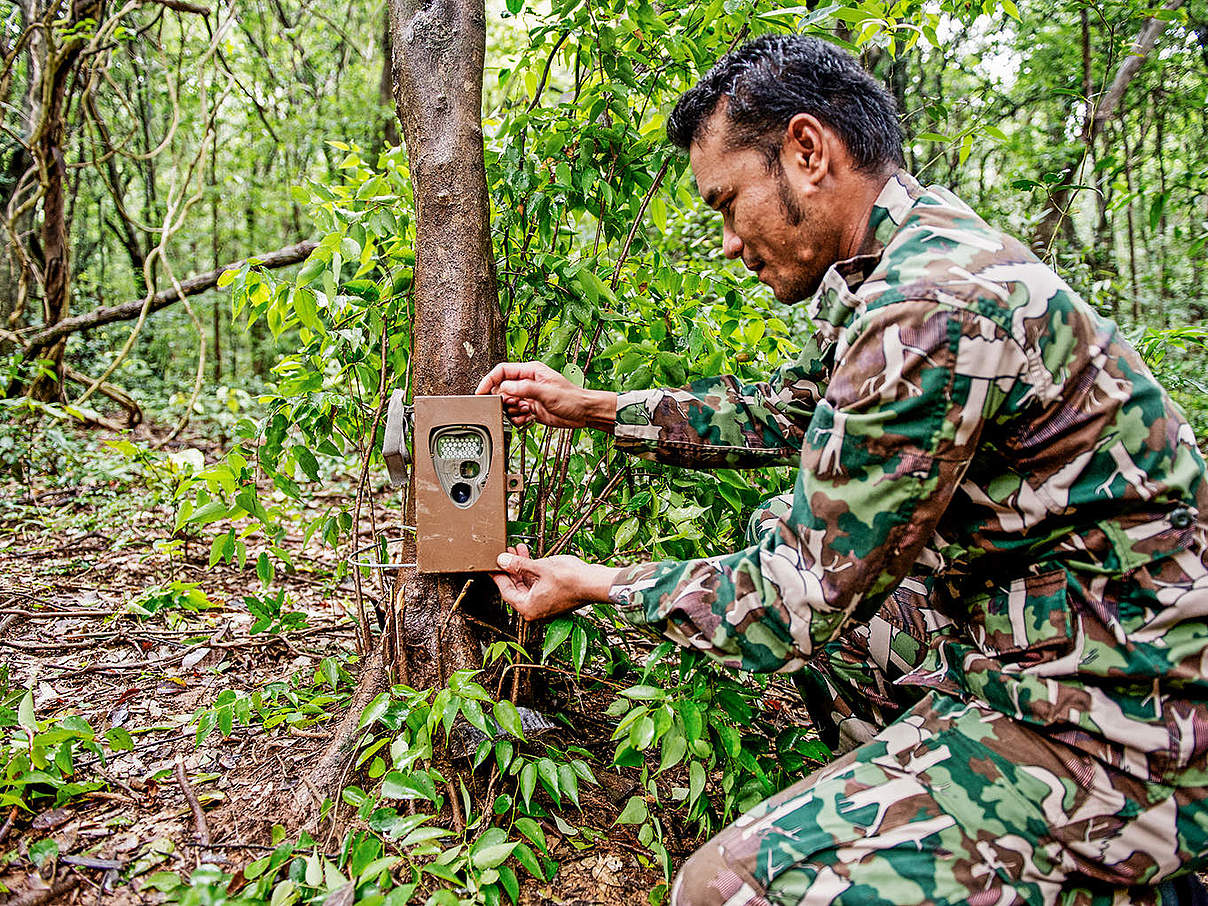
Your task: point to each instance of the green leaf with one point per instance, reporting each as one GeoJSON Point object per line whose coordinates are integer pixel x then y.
{"type": "Point", "coordinates": [514, 7]}
{"type": "Point", "coordinates": [555, 634]}
{"type": "Point", "coordinates": [1156, 208]}
{"type": "Point", "coordinates": [547, 771]}
{"type": "Point", "coordinates": [568, 782]}
{"type": "Point", "coordinates": [43, 851]}
{"type": "Point", "coordinates": [422, 835]}
{"type": "Point", "coordinates": [625, 533]}
{"type": "Point", "coordinates": [491, 856]}
{"type": "Point", "coordinates": [644, 693]}
{"type": "Point", "coordinates": [307, 309]}
{"type": "Point", "coordinates": [674, 748]}
{"type": "Point", "coordinates": [593, 287]}
{"type": "Point", "coordinates": [264, 569]}
{"type": "Point", "coordinates": [510, 883]}
{"type": "Point", "coordinates": [306, 460]}
{"type": "Point", "coordinates": [508, 718]}
{"type": "Point", "coordinates": [533, 831]}
{"type": "Point", "coordinates": [573, 373]}
{"type": "Point", "coordinates": [635, 811]}
{"type": "Point", "coordinates": [397, 785]}
{"type": "Point", "coordinates": [696, 781]}
{"type": "Point", "coordinates": [528, 859]}
{"type": "Point", "coordinates": [374, 709]}
{"type": "Point", "coordinates": [473, 713]}
{"type": "Point", "coordinates": [25, 713]}
{"type": "Point", "coordinates": [578, 647]}
{"type": "Point", "coordinates": [528, 782]}
{"type": "Point", "coordinates": [119, 740]}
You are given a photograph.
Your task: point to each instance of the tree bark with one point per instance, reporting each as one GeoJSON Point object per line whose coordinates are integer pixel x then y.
{"type": "Point", "coordinates": [439, 46]}
{"type": "Point", "coordinates": [457, 334]}
{"type": "Point", "coordinates": [56, 239]}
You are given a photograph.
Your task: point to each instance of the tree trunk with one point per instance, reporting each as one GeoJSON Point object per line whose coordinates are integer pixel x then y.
{"type": "Point", "coordinates": [389, 136]}
{"type": "Point", "coordinates": [457, 335]}
{"type": "Point", "coordinates": [439, 46]}
{"type": "Point", "coordinates": [1057, 212]}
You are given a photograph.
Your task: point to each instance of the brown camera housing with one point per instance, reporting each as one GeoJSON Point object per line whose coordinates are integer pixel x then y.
{"type": "Point", "coordinates": [460, 483]}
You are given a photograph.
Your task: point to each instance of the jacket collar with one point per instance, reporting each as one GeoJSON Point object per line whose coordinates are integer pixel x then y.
{"type": "Point", "coordinates": [831, 307]}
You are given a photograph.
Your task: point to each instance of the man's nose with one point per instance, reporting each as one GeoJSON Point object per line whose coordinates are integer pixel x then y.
{"type": "Point", "coordinates": [731, 245]}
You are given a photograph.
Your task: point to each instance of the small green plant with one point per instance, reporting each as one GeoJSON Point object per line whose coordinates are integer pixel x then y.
{"type": "Point", "coordinates": [302, 701]}
{"type": "Point", "coordinates": [170, 598]}
{"type": "Point", "coordinates": [37, 758]}
{"type": "Point", "coordinates": [404, 856]}
{"type": "Point", "coordinates": [270, 614]}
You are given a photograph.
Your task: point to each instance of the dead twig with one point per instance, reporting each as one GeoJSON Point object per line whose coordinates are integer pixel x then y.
{"type": "Point", "coordinates": [457, 603]}
{"type": "Point", "coordinates": [561, 543]}
{"type": "Point", "coordinates": [8, 823]}
{"type": "Point", "coordinates": [55, 614]}
{"type": "Point", "coordinates": [199, 816]}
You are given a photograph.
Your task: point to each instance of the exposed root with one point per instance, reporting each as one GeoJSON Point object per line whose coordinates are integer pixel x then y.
{"type": "Point", "coordinates": [324, 778]}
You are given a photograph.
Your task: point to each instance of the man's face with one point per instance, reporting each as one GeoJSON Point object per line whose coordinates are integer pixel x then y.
{"type": "Point", "coordinates": [786, 238]}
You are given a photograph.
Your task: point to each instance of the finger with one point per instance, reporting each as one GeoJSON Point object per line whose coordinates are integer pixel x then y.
{"type": "Point", "coordinates": [516, 564]}
{"type": "Point", "coordinates": [513, 371]}
{"type": "Point", "coordinates": [512, 593]}
{"type": "Point", "coordinates": [489, 382]}
{"type": "Point", "coordinates": [522, 549]}
{"type": "Point", "coordinates": [520, 389]}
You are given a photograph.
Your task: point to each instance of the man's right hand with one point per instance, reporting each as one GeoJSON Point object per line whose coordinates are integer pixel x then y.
{"type": "Point", "coordinates": [532, 391]}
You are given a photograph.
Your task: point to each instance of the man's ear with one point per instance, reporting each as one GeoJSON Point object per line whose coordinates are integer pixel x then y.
{"type": "Point", "coordinates": [807, 147]}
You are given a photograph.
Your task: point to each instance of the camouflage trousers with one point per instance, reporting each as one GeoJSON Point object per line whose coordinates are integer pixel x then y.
{"type": "Point", "coordinates": [952, 802]}
{"type": "Point", "coordinates": [848, 689]}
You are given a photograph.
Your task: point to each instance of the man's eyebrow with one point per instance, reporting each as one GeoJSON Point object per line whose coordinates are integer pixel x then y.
{"type": "Point", "coordinates": [711, 195]}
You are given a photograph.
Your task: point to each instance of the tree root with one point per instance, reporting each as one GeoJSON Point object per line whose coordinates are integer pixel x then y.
{"type": "Point", "coordinates": [324, 778]}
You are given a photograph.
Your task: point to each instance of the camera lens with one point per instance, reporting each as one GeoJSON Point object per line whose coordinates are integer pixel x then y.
{"type": "Point", "coordinates": [470, 469]}
{"type": "Point", "coordinates": [460, 492]}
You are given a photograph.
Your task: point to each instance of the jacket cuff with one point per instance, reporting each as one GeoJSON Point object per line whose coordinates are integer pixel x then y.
{"type": "Point", "coordinates": [635, 428]}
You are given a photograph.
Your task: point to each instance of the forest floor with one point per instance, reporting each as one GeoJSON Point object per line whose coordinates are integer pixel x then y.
{"type": "Point", "coordinates": [104, 617]}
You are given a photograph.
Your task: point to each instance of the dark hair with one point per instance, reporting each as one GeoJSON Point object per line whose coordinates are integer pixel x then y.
{"type": "Point", "coordinates": [772, 78]}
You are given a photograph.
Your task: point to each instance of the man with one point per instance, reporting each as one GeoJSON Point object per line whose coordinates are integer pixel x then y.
{"type": "Point", "coordinates": [960, 414]}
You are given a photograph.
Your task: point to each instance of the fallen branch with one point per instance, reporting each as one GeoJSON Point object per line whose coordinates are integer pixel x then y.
{"type": "Point", "coordinates": [199, 816]}
{"type": "Point", "coordinates": [1137, 53]}
{"type": "Point", "coordinates": [1098, 114]}
{"type": "Point", "coordinates": [290, 254]}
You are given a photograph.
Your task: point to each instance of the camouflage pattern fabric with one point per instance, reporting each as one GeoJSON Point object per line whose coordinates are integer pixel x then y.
{"type": "Point", "coordinates": [849, 685]}
{"type": "Point", "coordinates": [964, 418]}
{"type": "Point", "coordinates": [955, 803]}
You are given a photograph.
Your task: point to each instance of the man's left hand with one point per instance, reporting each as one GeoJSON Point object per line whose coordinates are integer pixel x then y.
{"type": "Point", "coordinates": [544, 588]}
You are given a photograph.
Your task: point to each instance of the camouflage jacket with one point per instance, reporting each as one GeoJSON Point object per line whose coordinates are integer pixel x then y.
{"type": "Point", "coordinates": [958, 395]}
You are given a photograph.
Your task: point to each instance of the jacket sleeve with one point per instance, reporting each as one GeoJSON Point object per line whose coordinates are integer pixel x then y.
{"type": "Point", "coordinates": [882, 456]}
{"type": "Point", "coordinates": [721, 423]}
